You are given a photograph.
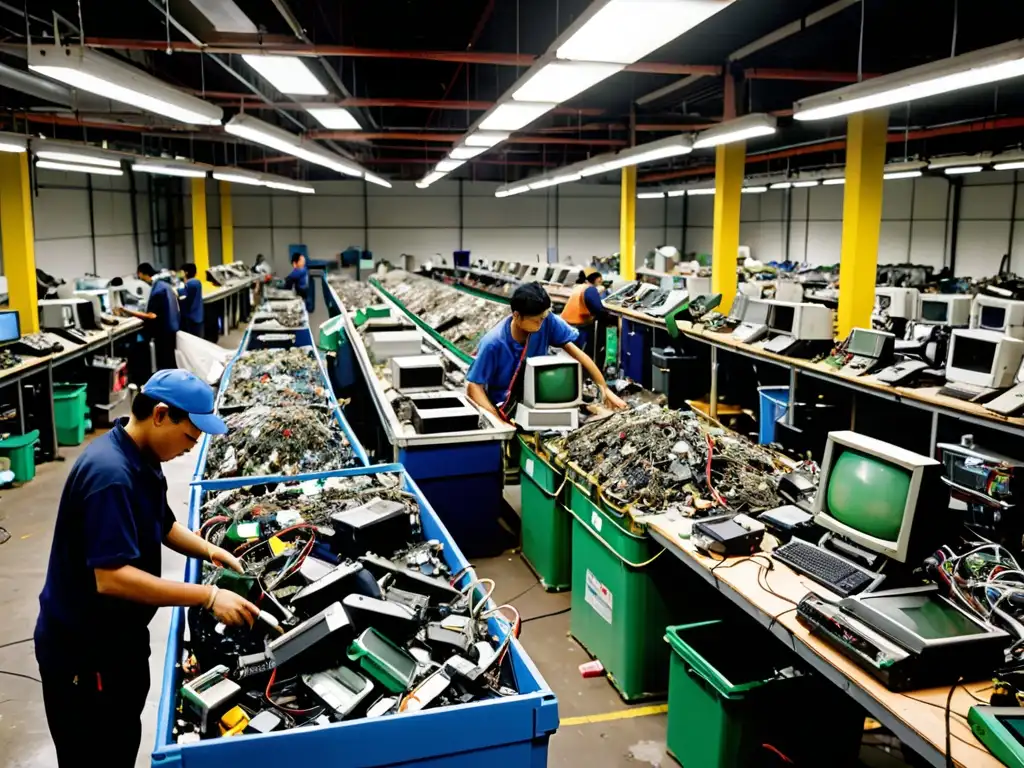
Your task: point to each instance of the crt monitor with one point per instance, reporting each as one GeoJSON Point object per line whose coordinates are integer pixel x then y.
{"type": "Point", "coordinates": [944, 309]}
{"type": "Point", "coordinates": [780, 318]}
{"type": "Point", "coordinates": [739, 306]}
{"type": "Point", "coordinates": [10, 326]}
{"type": "Point", "coordinates": [552, 381]}
{"type": "Point", "coordinates": [991, 313]}
{"type": "Point", "coordinates": [881, 497]}
{"type": "Point", "coordinates": [757, 312]}
{"type": "Point", "coordinates": [461, 259]}
{"type": "Point", "coordinates": [983, 358]}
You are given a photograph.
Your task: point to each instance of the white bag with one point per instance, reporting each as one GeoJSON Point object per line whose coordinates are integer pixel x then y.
{"type": "Point", "coordinates": [203, 358]}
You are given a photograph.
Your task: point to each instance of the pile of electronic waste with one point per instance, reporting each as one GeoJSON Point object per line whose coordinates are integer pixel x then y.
{"type": "Point", "coordinates": [227, 274]}
{"type": "Point", "coordinates": [360, 617]}
{"type": "Point", "coordinates": [8, 359]}
{"type": "Point", "coordinates": [353, 293]}
{"type": "Point", "coordinates": [282, 440]}
{"type": "Point", "coordinates": [286, 314]}
{"type": "Point", "coordinates": [275, 377]}
{"type": "Point", "coordinates": [652, 459]}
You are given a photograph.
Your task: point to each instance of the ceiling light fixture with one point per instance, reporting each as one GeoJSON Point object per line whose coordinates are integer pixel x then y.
{"type": "Point", "coordinates": [71, 152]}
{"type": "Point", "coordinates": [255, 130]}
{"type": "Point", "coordinates": [1014, 166]}
{"type": "Point", "coordinates": [740, 129]}
{"type": "Point", "coordinates": [625, 31]}
{"type": "Point", "coordinates": [805, 184]}
{"type": "Point", "coordinates": [238, 176]}
{"type": "Point", "coordinates": [676, 193]}
{"type": "Point", "coordinates": [552, 181]}
{"type": "Point", "coordinates": [514, 115]}
{"type": "Point", "coordinates": [753, 190]}
{"type": "Point", "coordinates": [833, 182]}
{"type": "Point", "coordinates": [988, 65]}
{"type": "Point", "coordinates": [781, 185]}
{"type": "Point", "coordinates": [559, 81]}
{"type": "Point", "coordinates": [901, 175]}
{"type": "Point", "coordinates": [56, 166]}
{"type": "Point", "coordinates": [518, 190]}
{"type": "Point", "coordinates": [375, 179]}
{"type": "Point", "coordinates": [288, 74]}
{"type": "Point", "coordinates": [285, 184]}
{"type": "Point", "coordinates": [662, 149]}
{"type": "Point", "coordinates": [702, 191]}
{"type": "Point", "coordinates": [165, 167]}
{"type": "Point", "coordinates": [429, 179]}
{"type": "Point", "coordinates": [952, 161]}
{"type": "Point", "coordinates": [12, 142]}
{"type": "Point", "coordinates": [466, 153]}
{"type": "Point", "coordinates": [959, 170]}
{"type": "Point", "coordinates": [448, 165]}
{"type": "Point", "coordinates": [485, 138]}
{"type": "Point", "coordinates": [333, 118]}
{"type": "Point", "coordinates": [1009, 161]}
{"type": "Point", "coordinates": [105, 76]}
{"type": "Point", "coordinates": [650, 196]}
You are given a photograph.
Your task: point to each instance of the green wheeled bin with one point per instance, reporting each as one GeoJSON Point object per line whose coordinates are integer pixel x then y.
{"type": "Point", "coordinates": [735, 698]}
{"type": "Point", "coordinates": [626, 590]}
{"type": "Point", "coordinates": [547, 527]}
{"type": "Point", "coordinates": [21, 450]}
{"type": "Point", "coordinates": [69, 410]}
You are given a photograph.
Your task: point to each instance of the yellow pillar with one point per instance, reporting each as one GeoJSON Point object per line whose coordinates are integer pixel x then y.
{"type": "Point", "coordinates": [227, 225]}
{"type": "Point", "coordinates": [862, 218]}
{"type": "Point", "coordinates": [730, 160]}
{"type": "Point", "coordinates": [200, 234]}
{"type": "Point", "coordinates": [19, 239]}
{"type": "Point", "coordinates": [627, 224]}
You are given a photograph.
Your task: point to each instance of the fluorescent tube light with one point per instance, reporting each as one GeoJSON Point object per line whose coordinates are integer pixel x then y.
{"type": "Point", "coordinates": [509, 191]}
{"type": "Point", "coordinates": [73, 152]}
{"type": "Point", "coordinates": [901, 175]}
{"type": "Point", "coordinates": [52, 165]}
{"type": "Point", "coordinates": [105, 76]}
{"type": "Point", "coordinates": [334, 118]}
{"type": "Point", "coordinates": [485, 138]}
{"type": "Point", "coordinates": [255, 130]}
{"type": "Point", "coordinates": [988, 65]}
{"type": "Point", "coordinates": [12, 142]}
{"type": "Point", "coordinates": [288, 185]}
{"type": "Point", "coordinates": [74, 157]}
{"type": "Point", "coordinates": [833, 182]}
{"type": "Point", "coordinates": [1012, 166]}
{"type": "Point", "coordinates": [378, 180]}
{"type": "Point", "coordinates": [740, 129]}
{"type": "Point", "coordinates": [753, 190]}
{"type": "Point", "coordinates": [447, 166]}
{"type": "Point", "coordinates": [429, 179]}
{"type": "Point", "coordinates": [288, 74]}
{"type": "Point", "coordinates": [512, 116]}
{"type": "Point", "coordinates": [781, 185]}
{"type": "Point", "coordinates": [597, 165]}
{"type": "Point", "coordinates": [560, 81]}
{"type": "Point", "coordinates": [962, 169]}
{"type": "Point", "coordinates": [160, 169]}
{"type": "Point", "coordinates": [465, 153]}
{"type": "Point", "coordinates": [238, 176]}
{"type": "Point", "coordinates": [805, 184]}
{"type": "Point", "coordinates": [550, 182]}
{"type": "Point", "coordinates": [693, 192]}
{"type": "Point", "coordinates": [662, 149]}
{"type": "Point", "coordinates": [650, 196]}
{"type": "Point", "coordinates": [676, 193]}
{"type": "Point", "coordinates": [624, 31]}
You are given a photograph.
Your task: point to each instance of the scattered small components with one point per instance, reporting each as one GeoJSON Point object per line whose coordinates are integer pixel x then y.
{"type": "Point", "coordinates": [8, 359]}
{"type": "Point", "coordinates": [275, 377]}
{"type": "Point", "coordinates": [286, 314]}
{"type": "Point", "coordinates": [288, 440]}
{"type": "Point", "coordinates": [353, 293]}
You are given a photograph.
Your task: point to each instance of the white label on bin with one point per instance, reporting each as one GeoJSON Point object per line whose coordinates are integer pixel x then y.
{"type": "Point", "coordinates": [529, 467]}
{"type": "Point", "coordinates": [596, 521]}
{"type": "Point", "coordinates": [599, 598]}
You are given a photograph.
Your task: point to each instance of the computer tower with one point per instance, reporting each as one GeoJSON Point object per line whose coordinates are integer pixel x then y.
{"type": "Point", "coordinates": [668, 376]}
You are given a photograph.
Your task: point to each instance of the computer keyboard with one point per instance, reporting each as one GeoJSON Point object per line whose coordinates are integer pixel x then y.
{"type": "Point", "coordinates": [967, 392]}
{"type": "Point", "coordinates": [827, 569]}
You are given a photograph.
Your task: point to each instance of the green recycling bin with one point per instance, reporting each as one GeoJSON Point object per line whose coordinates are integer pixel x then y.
{"type": "Point", "coordinates": [21, 450]}
{"type": "Point", "coordinates": [547, 527]}
{"type": "Point", "coordinates": [69, 410]}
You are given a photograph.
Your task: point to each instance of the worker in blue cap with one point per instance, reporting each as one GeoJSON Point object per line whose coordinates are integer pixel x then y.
{"type": "Point", "coordinates": [103, 582]}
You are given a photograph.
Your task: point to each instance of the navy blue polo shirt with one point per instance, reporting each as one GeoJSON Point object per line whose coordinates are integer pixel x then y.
{"type": "Point", "coordinates": [164, 304]}
{"type": "Point", "coordinates": [113, 512]}
{"type": "Point", "coordinates": [192, 301]}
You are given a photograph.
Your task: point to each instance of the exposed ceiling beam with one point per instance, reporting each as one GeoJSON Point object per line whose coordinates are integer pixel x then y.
{"type": "Point", "coordinates": [240, 100]}
{"type": "Point", "coordinates": [451, 138]}
{"type": "Point", "coordinates": [808, 75]}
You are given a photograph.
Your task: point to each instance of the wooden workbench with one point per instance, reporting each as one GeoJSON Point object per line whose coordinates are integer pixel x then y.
{"type": "Point", "coordinates": [916, 718]}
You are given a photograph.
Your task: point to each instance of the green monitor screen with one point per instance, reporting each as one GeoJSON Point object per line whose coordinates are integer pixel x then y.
{"type": "Point", "coordinates": [926, 616]}
{"type": "Point", "coordinates": [557, 384]}
{"type": "Point", "coordinates": [1015, 725]}
{"type": "Point", "coordinates": [867, 494]}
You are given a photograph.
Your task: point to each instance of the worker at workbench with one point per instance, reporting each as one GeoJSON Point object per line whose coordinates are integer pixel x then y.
{"type": "Point", "coordinates": [162, 316]}
{"type": "Point", "coordinates": [495, 378]}
{"type": "Point", "coordinates": [191, 298]}
{"type": "Point", "coordinates": [298, 279]}
{"type": "Point", "coordinates": [584, 308]}
{"type": "Point", "coordinates": [103, 582]}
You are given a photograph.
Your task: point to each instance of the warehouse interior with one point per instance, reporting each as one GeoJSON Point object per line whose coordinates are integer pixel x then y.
{"type": "Point", "coordinates": [468, 383]}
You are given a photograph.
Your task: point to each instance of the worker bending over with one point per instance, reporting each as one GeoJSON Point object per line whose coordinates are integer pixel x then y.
{"type": "Point", "coordinates": [496, 376]}
{"type": "Point", "coordinates": [191, 298]}
{"type": "Point", "coordinates": [298, 279]}
{"type": "Point", "coordinates": [103, 582]}
{"type": "Point", "coordinates": [162, 316]}
{"type": "Point", "coordinates": [584, 308]}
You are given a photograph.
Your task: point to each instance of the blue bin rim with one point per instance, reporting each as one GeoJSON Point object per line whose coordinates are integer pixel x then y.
{"type": "Point", "coordinates": [779, 395]}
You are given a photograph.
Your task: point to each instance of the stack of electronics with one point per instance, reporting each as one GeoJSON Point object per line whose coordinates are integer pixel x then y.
{"type": "Point", "coordinates": [107, 392]}
{"type": "Point", "coordinates": [68, 318]}
{"type": "Point", "coordinates": [797, 329]}
{"type": "Point", "coordinates": [716, 322]}
{"type": "Point", "coordinates": [361, 617]}
{"type": "Point", "coordinates": [274, 377]}
{"type": "Point", "coordinates": [105, 302]}
{"type": "Point", "coordinates": [552, 394]}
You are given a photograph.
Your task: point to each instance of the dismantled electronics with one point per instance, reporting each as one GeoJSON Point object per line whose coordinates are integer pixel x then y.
{"type": "Point", "coordinates": [285, 440]}
{"type": "Point", "coordinates": [284, 314]}
{"type": "Point", "coordinates": [419, 373]}
{"type": "Point", "coordinates": [353, 293]}
{"type": "Point", "coordinates": [275, 377]}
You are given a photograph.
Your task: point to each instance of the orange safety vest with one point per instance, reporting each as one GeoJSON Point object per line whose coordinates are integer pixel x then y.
{"type": "Point", "coordinates": [576, 311]}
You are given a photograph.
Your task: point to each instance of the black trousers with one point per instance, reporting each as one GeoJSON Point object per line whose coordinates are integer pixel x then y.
{"type": "Point", "coordinates": [96, 713]}
{"type": "Point", "coordinates": [165, 344]}
{"type": "Point", "coordinates": [196, 328]}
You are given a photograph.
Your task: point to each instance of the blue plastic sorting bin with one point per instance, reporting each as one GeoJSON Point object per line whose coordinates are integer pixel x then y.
{"type": "Point", "coordinates": [774, 404]}
{"type": "Point", "coordinates": [510, 732]}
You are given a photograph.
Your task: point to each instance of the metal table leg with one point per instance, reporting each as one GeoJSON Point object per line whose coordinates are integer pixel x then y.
{"type": "Point", "coordinates": [21, 406]}
{"type": "Point", "coordinates": [934, 437]}
{"type": "Point", "coordinates": [713, 408]}
{"type": "Point", "coordinates": [53, 412]}
{"type": "Point", "coordinates": [790, 412]}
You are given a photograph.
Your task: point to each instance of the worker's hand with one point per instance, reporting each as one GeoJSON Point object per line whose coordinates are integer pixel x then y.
{"type": "Point", "coordinates": [120, 312]}
{"type": "Point", "coordinates": [614, 401]}
{"type": "Point", "coordinates": [233, 610]}
{"type": "Point", "coordinates": [220, 556]}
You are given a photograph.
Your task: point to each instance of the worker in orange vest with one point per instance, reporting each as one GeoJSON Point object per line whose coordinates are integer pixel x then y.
{"type": "Point", "coordinates": [584, 307]}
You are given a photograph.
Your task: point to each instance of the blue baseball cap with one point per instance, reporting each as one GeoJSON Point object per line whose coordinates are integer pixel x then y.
{"type": "Point", "coordinates": [186, 391]}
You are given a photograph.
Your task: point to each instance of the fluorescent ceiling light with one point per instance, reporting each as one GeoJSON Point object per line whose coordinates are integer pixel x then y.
{"type": "Point", "coordinates": [1009, 161]}
{"type": "Point", "coordinates": [901, 175]}
{"type": "Point", "coordinates": [598, 164]}
{"type": "Point", "coordinates": [560, 81]}
{"type": "Point", "coordinates": [516, 190]}
{"type": "Point", "coordinates": [961, 169]}
{"type": "Point", "coordinates": [552, 181]}
{"type": "Point", "coordinates": [55, 166]}
{"type": "Point", "coordinates": [833, 182]}
{"type": "Point", "coordinates": [740, 129]}
{"type": "Point", "coordinates": [650, 196]}
{"type": "Point", "coordinates": [624, 31]}
{"type": "Point", "coordinates": [287, 185]}
{"type": "Point", "coordinates": [255, 130]}
{"type": "Point", "coordinates": [429, 179]}
{"type": "Point", "coordinates": [1012, 166]}
{"type": "Point", "coordinates": [91, 71]}
{"type": "Point", "coordinates": [512, 116]}
{"type": "Point", "coordinates": [238, 176]}
{"type": "Point", "coordinates": [753, 190]}
{"type": "Point", "coordinates": [485, 138]}
{"type": "Point", "coordinates": [988, 65]}
{"type": "Point", "coordinates": [805, 184]}
{"type": "Point", "coordinates": [70, 152]}
{"type": "Point", "coordinates": [288, 74]}
{"type": "Point", "coordinates": [465, 153]}
{"type": "Point", "coordinates": [951, 161]}
{"type": "Point", "coordinates": [378, 180]}
{"type": "Point", "coordinates": [677, 193]}
{"type": "Point", "coordinates": [12, 142]}
{"type": "Point", "coordinates": [662, 149]}
{"type": "Point", "coordinates": [334, 118]}
{"type": "Point", "coordinates": [447, 166]}
{"type": "Point", "coordinates": [781, 185]}
{"type": "Point", "coordinates": [169, 170]}
{"type": "Point", "coordinates": [709, 191]}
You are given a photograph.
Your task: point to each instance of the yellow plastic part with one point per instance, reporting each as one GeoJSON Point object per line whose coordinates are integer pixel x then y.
{"type": "Point", "coordinates": [730, 160]}
{"type": "Point", "coordinates": [277, 546]}
{"type": "Point", "coordinates": [17, 235]}
{"type": "Point", "coordinates": [627, 224]}
{"type": "Point", "coordinates": [233, 722]}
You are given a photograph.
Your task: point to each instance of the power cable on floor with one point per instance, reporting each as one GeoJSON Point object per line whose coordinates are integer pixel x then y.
{"type": "Point", "coordinates": [16, 642]}
{"type": "Point", "coordinates": [546, 615]}
{"type": "Point", "coordinates": [18, 674]}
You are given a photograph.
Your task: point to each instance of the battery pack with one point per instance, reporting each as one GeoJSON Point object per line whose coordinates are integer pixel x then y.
{"type": "Point", "coordinates": [331, 588]}
{"type": "Point", "coordinates": [379, 527]}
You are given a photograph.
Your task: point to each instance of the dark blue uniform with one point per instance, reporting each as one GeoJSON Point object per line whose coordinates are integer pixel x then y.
{"type": "Point", "coordinates": [298, 281]}
{"type": "Point", "coordinates": [164, 329]}
{"type": "Point", "coordinates": [192, 308]}
{"type": "Point", "coordinates": [93, 650]}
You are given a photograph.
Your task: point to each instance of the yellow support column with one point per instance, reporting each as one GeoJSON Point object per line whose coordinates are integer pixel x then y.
{"type": "Point", "coordinates": [227, 225]}
{"type": "Point", "coordinates": [627, 224]}
{"type": "Point", "coordinates": [19, 239]}
{"type": "Point", "coordinates": [730, 160]}
{"type": "Point", "coordinates": [862, 218]}
{"type": "Point", "coordinates": [200, 235]}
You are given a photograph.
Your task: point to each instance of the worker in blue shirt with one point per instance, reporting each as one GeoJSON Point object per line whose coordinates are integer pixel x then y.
{"type": "Point", "coordinates": [162, 316]}
{"type": "Point", "coordinates": [298, 279]}
{"type": "Point", "coordinates": [103, 582]}
{"type": "Point", "coordinates": [496, 376]}
{"type": "Point", "coordinates": [191, 302]}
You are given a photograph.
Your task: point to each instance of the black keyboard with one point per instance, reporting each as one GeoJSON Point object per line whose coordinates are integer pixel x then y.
{"type": "Point", "coordinates": [825, 568]}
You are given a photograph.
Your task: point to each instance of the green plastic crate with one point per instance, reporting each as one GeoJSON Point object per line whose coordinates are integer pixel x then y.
{"type": "Point", "coordinates": [21, 450]}
{"type": "Point", "coordinates": [624, 595]}
{"type": "Point", "coordinates": [547, 527]}
{"type": "Point", "coordinates": [69, 410]}
{"type": "Point", "coordinates": [726, 702]}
